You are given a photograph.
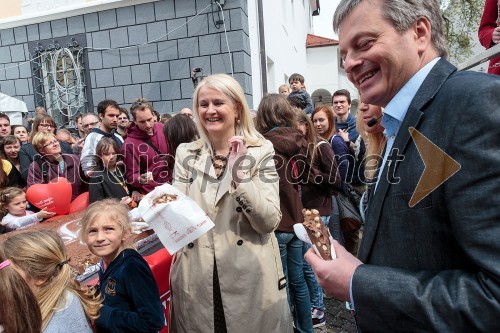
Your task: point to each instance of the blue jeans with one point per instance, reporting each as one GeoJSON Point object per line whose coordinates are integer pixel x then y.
{"type": "Point", "coordinates": [315, 291]}
{"type": "Point", "coordinates": [292, 261]}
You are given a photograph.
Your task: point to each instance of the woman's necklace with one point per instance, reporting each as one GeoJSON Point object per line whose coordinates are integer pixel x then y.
{"type": "Point", "coordinates": [119, 179]}
{"type": "Point", "coordinates": [220, 162]}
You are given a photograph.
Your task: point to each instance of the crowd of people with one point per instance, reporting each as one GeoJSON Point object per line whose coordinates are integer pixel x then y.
{"type": "Point", "coordinates": [431, 266]}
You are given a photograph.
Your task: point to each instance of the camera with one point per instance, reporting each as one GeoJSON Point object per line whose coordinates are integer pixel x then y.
{"type": "Point", "coordinates": [197, 70]}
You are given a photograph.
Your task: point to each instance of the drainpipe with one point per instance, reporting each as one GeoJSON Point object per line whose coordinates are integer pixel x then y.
{"type": "Point", "coordinates": [262, 44]}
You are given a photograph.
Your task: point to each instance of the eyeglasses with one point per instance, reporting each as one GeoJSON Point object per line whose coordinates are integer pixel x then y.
{"type": "Point", "coordinates": [90, 124]}
{"type": "Point", "coordinates": [46, 125]}
{"type": "Point", "coordinates": [51, 143]}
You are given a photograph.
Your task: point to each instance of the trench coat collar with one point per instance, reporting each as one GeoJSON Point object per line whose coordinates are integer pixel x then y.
{"type": "Point", "coordinates": [203, 166]}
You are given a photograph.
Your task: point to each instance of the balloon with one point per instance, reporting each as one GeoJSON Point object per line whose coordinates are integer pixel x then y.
{"type": "Point", "coordinates": [55, 196]}
{"type": "Point", "coordinates": [80, 203]}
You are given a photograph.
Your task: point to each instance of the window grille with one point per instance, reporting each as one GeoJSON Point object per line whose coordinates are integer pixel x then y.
{"type": "Point", "coordinates": [59, 77]}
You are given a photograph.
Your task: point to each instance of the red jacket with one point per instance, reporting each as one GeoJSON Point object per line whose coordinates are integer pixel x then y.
{"type": "Point", "coordinates": [486, 27]}
{"type": "Point", "coordinates": [140, 157]}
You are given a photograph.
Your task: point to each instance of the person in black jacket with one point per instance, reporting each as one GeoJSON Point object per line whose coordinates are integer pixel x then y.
{"type": "Point", "coordinates": [108, 178]}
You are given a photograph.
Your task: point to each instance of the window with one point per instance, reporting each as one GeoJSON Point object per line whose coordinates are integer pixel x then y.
{"type": "Point", "coordinates": [60, 80]}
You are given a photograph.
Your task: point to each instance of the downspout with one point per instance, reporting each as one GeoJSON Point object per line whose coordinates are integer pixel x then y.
{"type": "Point", "coordinates": [262, 44]}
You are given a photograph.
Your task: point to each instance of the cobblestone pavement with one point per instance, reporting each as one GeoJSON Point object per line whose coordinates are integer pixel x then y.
{"type": "Point", "coordinates": [338, 319]}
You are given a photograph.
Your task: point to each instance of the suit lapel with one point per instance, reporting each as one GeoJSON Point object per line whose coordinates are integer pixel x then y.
{"type": "Point", "coordinates": [431, 85]}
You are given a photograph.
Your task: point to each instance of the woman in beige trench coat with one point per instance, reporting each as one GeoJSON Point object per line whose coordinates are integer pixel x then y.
{"type": "Point", "coordinates": [231, 278]}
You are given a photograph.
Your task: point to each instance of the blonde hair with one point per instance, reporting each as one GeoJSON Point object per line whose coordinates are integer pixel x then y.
{"type": "Point", "coordinates": [225, 84]}
{"type": "Point", "coordinates": [41, 138]}
{"type": "Point", "coordinates": [17, 303]}
{"type": "Point", "coordinates": [6, 196]}
{"type": "Point", "coordinates": [284, 86]}
{"type": "Point", "coordinates": [112, 209]}
{"type": "Point", "coordinates": [375, 143]}
{"type": "Point", "coordinates": [42, 256]}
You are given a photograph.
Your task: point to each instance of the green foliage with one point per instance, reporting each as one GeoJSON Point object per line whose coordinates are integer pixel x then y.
{"type": "Point", "coordinates": [461, 23]}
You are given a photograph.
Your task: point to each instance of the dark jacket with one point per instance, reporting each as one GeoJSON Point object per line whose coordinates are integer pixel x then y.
{"type": "Point", "coordinates": [102, 185]}
{"type": "Point", "coordinates": [131, 298]}
{"type": "Point", "coordinates": [290, 148]}
{"type": "Point", "coordinates": [306, 100]}
{"type": "Point", "coordinates": [28, 153]}
{"type": "Point", "coordinates": [140, 157]}
{"type": "Point", "coordinates": [71, 173]}
{"type": "Point", "coordinates": [350, 125]}
{"type": "Point", "coordinates": [13, 175]}
{"type": "Point", "coordinates": [433, 266]}
{"type": "Point", "coordinates": [324, 181]}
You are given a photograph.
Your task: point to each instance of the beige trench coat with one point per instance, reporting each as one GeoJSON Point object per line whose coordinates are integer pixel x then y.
{"type": "Point", "coordinates": [243, 242]}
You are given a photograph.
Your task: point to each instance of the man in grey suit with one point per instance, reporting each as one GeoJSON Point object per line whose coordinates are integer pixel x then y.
{"type": "Point", "coordinates": [432, 264]}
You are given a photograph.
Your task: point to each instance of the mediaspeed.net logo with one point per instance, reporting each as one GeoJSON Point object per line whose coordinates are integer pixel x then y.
{"type": "Point", "coordinates": [438, 167]}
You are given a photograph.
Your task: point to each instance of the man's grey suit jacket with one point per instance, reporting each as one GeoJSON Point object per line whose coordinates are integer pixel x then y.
{"type": "Point", "coordinates": [436, 267]}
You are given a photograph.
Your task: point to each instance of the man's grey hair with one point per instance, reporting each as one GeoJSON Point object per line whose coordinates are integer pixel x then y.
{"type": "Point", "coordinates": [402, 14]}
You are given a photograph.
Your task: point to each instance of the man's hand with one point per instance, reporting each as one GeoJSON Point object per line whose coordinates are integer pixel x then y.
{"type": "Point", "coordinates": [334, 276]}
{"type": "Point", "coordinates": [496, 35]}
{"type": "Point", "coordinates": [344, 134]}
{"type": "Point", "coordinates": [146, 178]}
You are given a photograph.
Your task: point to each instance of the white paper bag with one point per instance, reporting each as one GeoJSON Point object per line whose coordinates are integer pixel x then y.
{"type": "Point", "coordinates": [176, 223]}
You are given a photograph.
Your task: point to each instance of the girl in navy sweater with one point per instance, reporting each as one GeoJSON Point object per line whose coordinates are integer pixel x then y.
{"type": "Point", "coordinates": [131, 298]}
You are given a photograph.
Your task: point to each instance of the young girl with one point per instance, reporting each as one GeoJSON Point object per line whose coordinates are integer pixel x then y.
{"type": "Point", "coordinates": [13, 206]}
{"type": "Point", "coordinates": [131, 299]}
{"type": "Point", "coordinates": [108, 178]}
{"type": "Point", "coordinates": [40, 258]}
{"type": "Point", "coordinates": [17, 302]}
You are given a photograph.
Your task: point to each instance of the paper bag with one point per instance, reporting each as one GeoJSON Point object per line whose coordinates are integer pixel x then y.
{"type": "Point", "coordinates": [176, 223]}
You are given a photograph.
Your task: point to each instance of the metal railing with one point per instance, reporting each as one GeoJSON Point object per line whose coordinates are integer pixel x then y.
{"type": "Point", "coordinates": [480, 58]}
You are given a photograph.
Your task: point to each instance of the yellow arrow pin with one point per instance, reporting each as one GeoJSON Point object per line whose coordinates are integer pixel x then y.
{"type": "Point", "coordinates": [439, 166]}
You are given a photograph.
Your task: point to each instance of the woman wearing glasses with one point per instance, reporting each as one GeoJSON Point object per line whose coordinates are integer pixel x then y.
{"type": "Point", "coordinates": [43, 123]}
{"type": "Point", "coordinates": [54, 163]}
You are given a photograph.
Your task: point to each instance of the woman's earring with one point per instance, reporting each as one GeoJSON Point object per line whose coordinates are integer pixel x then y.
{"type": "Point", "coordinates": [238, 121]}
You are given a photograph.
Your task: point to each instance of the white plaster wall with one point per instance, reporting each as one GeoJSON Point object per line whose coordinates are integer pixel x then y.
{"type": "Point", "coordinates": [324, 71]}
{"type": "Point", "coordinates": [286, 25]}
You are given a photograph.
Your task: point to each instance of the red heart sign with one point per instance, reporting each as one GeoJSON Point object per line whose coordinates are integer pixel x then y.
{"type": "Point", "coordinates": [80, 203]}
{"type": "Point", "coordinates": [55, 196]}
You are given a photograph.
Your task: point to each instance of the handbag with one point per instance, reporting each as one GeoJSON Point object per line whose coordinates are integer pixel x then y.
{"type": "Point", "coordinates": [350, 219]}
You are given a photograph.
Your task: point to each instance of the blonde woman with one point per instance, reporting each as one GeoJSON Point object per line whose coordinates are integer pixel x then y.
{"type": "Point", "coordinates": [231, 278]}
{"type": "Point", "coordinates": [54, 163]}
{"type": "Point", "coordinates": [27, 154]}
{"type": "Point", "coordinates": [40, 258]}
